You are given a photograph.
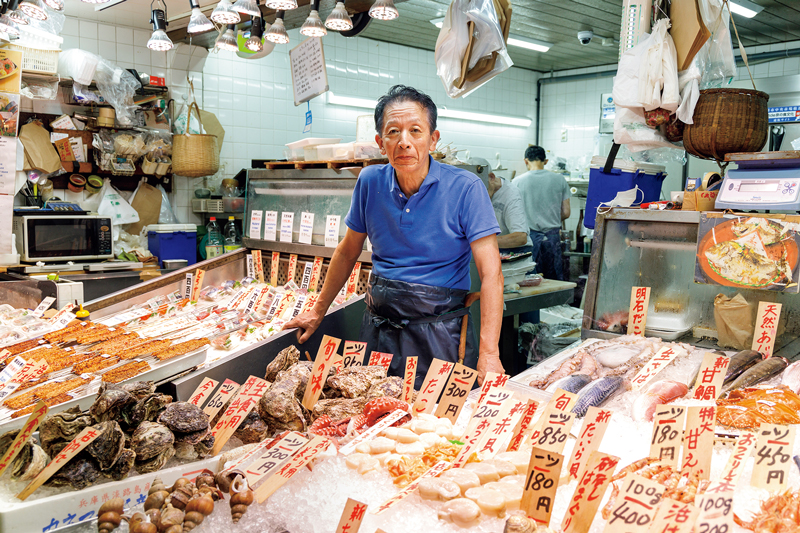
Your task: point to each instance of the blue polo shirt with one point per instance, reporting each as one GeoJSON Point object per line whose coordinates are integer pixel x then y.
{"type": "Point", "coordinates": [425, 238]}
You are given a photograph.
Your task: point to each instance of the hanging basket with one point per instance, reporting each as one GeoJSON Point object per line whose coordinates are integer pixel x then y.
{"type": "Point", "coordinates": [727, 121]}
{"type": "Point", "coordinates": [195, 155]}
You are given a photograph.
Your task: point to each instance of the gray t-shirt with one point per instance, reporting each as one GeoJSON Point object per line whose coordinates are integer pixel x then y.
{"type": "Point", "coordinates": [542, 192]}
{"type": "Point", "coordinates": [510, 211]}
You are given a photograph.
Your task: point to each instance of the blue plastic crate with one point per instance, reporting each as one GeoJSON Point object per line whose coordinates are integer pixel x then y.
{"type": "Point", "coordinates": [173, 241]}
{"type": "Point", "coordinates": [624, 176]}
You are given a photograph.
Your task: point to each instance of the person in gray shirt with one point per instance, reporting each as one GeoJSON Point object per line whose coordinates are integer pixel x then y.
{"type": "Point", "coordinates": [546, 198]}
{"type": "Point", "coordinates": [510, 213]}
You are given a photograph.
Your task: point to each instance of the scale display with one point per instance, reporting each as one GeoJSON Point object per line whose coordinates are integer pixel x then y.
{"type": "Point", "coordinates": [741, 189]}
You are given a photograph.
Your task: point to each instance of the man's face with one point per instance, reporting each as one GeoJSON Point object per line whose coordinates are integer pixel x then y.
{"type": "Point", "coordinates": [407, 137]}
{"type": "Point", "coordinates": [494, 183]}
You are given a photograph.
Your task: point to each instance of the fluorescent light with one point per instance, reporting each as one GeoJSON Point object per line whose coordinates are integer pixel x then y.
{"type": "Point", "coordinates": [513, 39]}
{"type": "Point", "coordinates": [745, 8]}
{"type": "Point", "coordinates": [366, 103]}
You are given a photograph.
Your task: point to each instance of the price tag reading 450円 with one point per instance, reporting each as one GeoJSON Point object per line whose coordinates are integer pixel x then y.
{"type": "Point", "coordinates": [773, 455]}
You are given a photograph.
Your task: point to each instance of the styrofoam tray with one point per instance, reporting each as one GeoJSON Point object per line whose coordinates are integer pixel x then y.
{"type": "Point", "coordinates": [311, 141]}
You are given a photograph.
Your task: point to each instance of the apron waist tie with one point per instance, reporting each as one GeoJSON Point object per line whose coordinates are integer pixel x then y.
{"type": "Point", "coordinates": [378, 321]}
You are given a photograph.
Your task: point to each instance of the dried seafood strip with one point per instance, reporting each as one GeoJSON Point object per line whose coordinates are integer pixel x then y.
{"type": "Point", "coordinates": [61, 398]}
{"type": "Point", "coordinates": [21, 400]}
{"type": "Point", "coordinates": [95, 364]}
{"type": "Point", "coordinates": [64, 361]}
{"type": "Point", "coordinates": [61, 334]}
{"type": "Point", "coordinates": [126, 371]}
{"type": "Point", "coordinates": [99, 334]}
{"type": "Point", "coordinates": [149, 347]}
{"type": "Point", "coordinates": [128, 340]}
{"type": "Point", "coordinates": [32, 383]}
{"type": "Point", "coordinates": [52, 389]}
{"type": "Point", "coordinates": [127, 345]}
{"type": "Point", "coordinates": [182, 348]}
{"type": "Point", "coordinates": [45, 353]}
{"type": "Point", "coordinates": [23, 346]}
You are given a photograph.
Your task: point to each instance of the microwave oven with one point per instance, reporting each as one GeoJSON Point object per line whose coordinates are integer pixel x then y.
{"type": "Point", "coordinates": [63, 237]}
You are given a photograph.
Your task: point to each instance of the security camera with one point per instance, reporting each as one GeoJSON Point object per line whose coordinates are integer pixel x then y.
{"type": "Point", "coordinates": [585, 37]}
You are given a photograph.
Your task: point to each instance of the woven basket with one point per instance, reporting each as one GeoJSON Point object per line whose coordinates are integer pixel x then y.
{"type": "Point", "coordinates": [195, 155]}
{"type": "Point", "coordinates": [727, 121]}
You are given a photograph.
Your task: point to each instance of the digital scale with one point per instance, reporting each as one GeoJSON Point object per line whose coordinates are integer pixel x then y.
{"type": "Point", "coordinates": [764, 181]}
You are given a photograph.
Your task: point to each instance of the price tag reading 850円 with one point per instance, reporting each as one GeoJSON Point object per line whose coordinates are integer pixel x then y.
{"type": "Point", "coordinates": [555, 430]}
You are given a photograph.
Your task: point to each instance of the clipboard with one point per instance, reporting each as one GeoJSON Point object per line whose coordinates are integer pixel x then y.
{"type": "Point", "coordinates": [309, 73]}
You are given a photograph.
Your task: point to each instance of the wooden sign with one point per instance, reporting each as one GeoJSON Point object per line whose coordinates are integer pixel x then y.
{"type": "Point", "coordinates": [595, 424]}
{"type": "Point", "coordinates": [665, 442]}
{"type": "Point", "coordinates": [434, 471]}
{"type": "Point", "coordinates": [354, 352]}
{"type": "Point", "coordinates": [258, 265]}
{"type": "Point", "coordinates": [741, 453]}
{"type": "Point", "coordinates": [84, 438]}
{"type": "Point", "coordinates": [710, 377]}
{"type": "Point", "coordinates": [305, 281]}
{"type": "Point", "coordinates": [311, 301]}
{"type": "Point", "coordinates": [660, 360]}
{"type": "Point", "coordinates": [674, 517]}
{"type": "Point", "coordinates": [715, 510]}
{"type": "Point", "coordinates": [272, 459]}
{"type": "Point", "coordinates": [455, 392]}
{"type": "Point", "coordinates": [492, 379]}
{"type": "Point", "coordinates": [352, 281]}
{"type": "Point", "coordinates": [500, 430]}
{"type": "Point", "coordinates": [496, 406]}
{"type": "Point", "coordinates": [373, 431]}
{"type": "Point", "coordinates": [316, 271]}
{"type": "Point", "coordinates": [408, 379]}
{"type": "Point", "coordinates": [353, 514]}
{"type": "Point", "coordinates": [202, 392]}
{"type": "Point", "coordinates": [188, 286]}
{"type": "Point", "coordinates": [560, 401]}
{"type": "Point", "coordinates": [555, 429]}
{"type": "Point", "coordinates": [541, 483]}
{"type": "Point", "coordinates": [773, 456]}
{"type": "Point", "coordinates": [637, 316]}
{"type": "Point", "coordinates": [197, 284]}
{"type": "Point", "coordinates": [589, 493]}
{"type": "Point", "coordinates": [31, 371]}
{"type": "Point", "coordinates": [635, 506]}
{"type": "Point", "coordinates": [241, 405]}
{"type": "Point", "coordinates": [766, 328]}
{"type": "Point", "coordinates": [298, 461]}
{"type": "Point", "coordinates": [221, 397]}
{"type": "Point", "coordinates": [292, 271]}
{"type": "Point", "coordinates": [38, 414]}
{"type": "Point", "coordinates": [319, 372]}
{"type": "Point", "coordinates": [274, 268]}
{"type": "Point", "coordinates": [698, 440]}
{"type": "Point", "coordinates": [380, 359]}
{"type": "Point", "coordinates": [434, 382]}
{"type": "Point", "coordinates": [525, 423]}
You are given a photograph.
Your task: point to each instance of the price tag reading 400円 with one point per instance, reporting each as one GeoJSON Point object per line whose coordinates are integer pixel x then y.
{"type": "Point", "coordinates": [635, 505]}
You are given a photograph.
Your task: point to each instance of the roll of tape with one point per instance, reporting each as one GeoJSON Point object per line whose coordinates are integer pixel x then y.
{"type": "Point", "coordinates": [710, 179]}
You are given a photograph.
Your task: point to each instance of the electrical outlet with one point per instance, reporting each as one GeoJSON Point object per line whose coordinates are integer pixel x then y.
{"type": "Point", "coordinates": [563, 135]}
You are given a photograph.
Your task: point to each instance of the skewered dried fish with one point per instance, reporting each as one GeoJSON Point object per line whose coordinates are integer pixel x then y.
{"type": "Point", "coordinates": [71, 329]}
{"type": "Point", "coordinates": [596, 394]}
{"type": "Point", "coordinates": [127, 371]}
{"type": "Point", "coordinates": [144, 349]}
{"type": "Point", "coordinates": [756, 374]}
{"type": "Point", "coordinates": [94, 364]}
{"type": "Point", "coordinates": [181, 349]}
{"type": "Point", "coordinates": [23, 346]}
{"type": "Point", "coordinates": [50, 402]}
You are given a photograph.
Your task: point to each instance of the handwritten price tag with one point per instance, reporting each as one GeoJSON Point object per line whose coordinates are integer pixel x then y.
{"type": "Point", "coordinates": [197, 284]}
{"type": "Point", "coordinates": [667, 436]}
{"type": "Point", "coordinates": [353, 514]}
{"type": "Point", "coordinates": [319, 372]}
{"type": "Point", "coordinates": [354, 352]}
{"type": "Point", "coordinates": [562, 401]}
{"type": "Point", "coordinates": [11, 369]}
{"type": "Point", "coordinates": [492, 379]}
{"type": "Point", "coordinates": [202, 392]}
{"type": "Point", "coordinates": [292, 270]}
{"type": "Point", "coordinates": [241, 405]}
{"type": "Point", "coordinates": [258, 266]}
{"type": "Point", "coordinates": [660, 360]}
{"type": "Point", "coordinates": [742, 451]}
{"type": "Point", "coordinates": [275, 266]}
{"type": "Point", "coordinates": [524, 424]}
{"type": "Point", "coordinates": [715, 510]}
{"type": "Point", "coordinates": [541, 483]}
{"type": "Point", "coordinates": [455, 392]}
{"type": "Point", "coordinates": [556, 428]}
{"type": "Point", "coordinates": [434, 382]}
{"type": "Point", "coordinates": [316, 272]}
{"type": "Point", "coordinates": [710, 377]}
{"type": "Point", "coordinates": [500, 430]}
{"type": "Point", "coordinates": [380, 359]}
{"type": "Point", "coordinates": [352, 281]}
{"type": "Point", "coordinates": [637, 316]}
{"type": "Point", "coordinates": [219, 399]}
{"type": "Point", "coordinates": [272, 459]}
{"type": "Point", "coordinates": [495, 406]}
{"type": "Point", "coordinates": [408, 379]}
{"type": "Point", "coordinates": [299, 460]}
{"type": "Point", "coordinates": [589, 492]}
{"type": "Point", "coordinates": [698, 440]}
{"type": "Point", "coordinates": [635, 506]}
{"type": "Point", "coordinates": [38, 414]}
{"type": "Point", "coordinates": [766, 328]}
{"type": "Point", "coordinates": [595, 424]}
{"type": "Point", "coordinates": [674, 517]}
{"type": "Point", "coordinates": [773, 456]}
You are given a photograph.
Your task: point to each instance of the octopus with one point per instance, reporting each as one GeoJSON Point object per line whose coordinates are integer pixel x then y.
{"type": "Point", "coordinates": [581, 363]}
{"type": "Point", "coordinates": [779, 513]}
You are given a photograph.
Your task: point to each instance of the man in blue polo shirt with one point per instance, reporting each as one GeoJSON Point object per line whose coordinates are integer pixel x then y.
{"type": "Point", "coordinates": [425, 221]}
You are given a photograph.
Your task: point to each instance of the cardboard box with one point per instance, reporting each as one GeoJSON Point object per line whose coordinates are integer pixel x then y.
{"type": "Point", "coordinates": [699, 200]}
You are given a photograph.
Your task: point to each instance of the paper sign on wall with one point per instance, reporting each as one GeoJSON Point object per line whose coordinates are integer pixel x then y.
{"type": "Point", "coordinates": [287, 226]}
{"type": "Point", "coordinates": [270, 225]}
{"type": "Point", "coordinates": [306, 227]}
{"type": "Point", "coordinates": [766, 328]}
{"type": "Point", "coordinates": [332, 231]}
{"type": "Point", "coordinates": [255, 224]}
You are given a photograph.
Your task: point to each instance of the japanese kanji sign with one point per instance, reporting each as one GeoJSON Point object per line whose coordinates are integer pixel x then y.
{"type": "Point", "coordinates": [316, 271]}
{"type": "Point", "coordinates": [202, 392]}
{"type": "Point", "coordinates": [500, 430]}
{"type": "Point", "coordinates": [594, 428]}
{"type": "Point", "coordinates": [525, 423]}
{"type": "Point", "coordinates": [352, 281]}
{"type": "Point", "coordinates": [219, 399]}
{"type": "Point", "coordinates": [352, 516]}
{"type": "Point", "coordinates": [773, 456]}
{"type": "Point", "coordinates": [408, 380]}
{"type": "Point", "coordinates": [710, 377]}
{"type": "Point", "coordinates": [741, 452]}
{"type": "Point", "coordinates": [272, 459]}
{"type": "Point", "coordinates": [541, 483]}
{"type": "Point", "coordinates": [300, 459]}
{"type": "Point", "coordinates": [698, 440]}
{"type": "Point", "coordinates": [635, 505]}
{"type": "Point", "coordinates": [434, 471]}
{"type": "Point", "coordinates": [660, 360]}
{"type": "Point", "coordinates": [241, 405]}
{"type": "Point", "coordinates": [432, 387]}
{"type": "Point", "coordinates": [197, 284]}
{"type": "Point", "coordinates": [309, 75]}
{"type": "Point", "coordinates": [319, 372]}
{"type": "Point", "coordinates": [492, 379]}
{"type": "Point", "coordinates": [637, 316]}
{"type": "Point", "coordinates": [373, 431]}
{"type": "Point", "coordinates": [715, 509]}
{"type": "Point", "coordinates": [674, 517]}
{"type": "Point", "coordinates": [589, 492]}
{"type": "Point", "coordinates": [496, 405]}
{"type": "Point", "coordinates": [665, 443]}
{"type": "Point", "coordinates": [354, 352]}
{"type": "Point", "coordinates": [273, 268]}
{"type": "Point", "coordinates": [380, 359]}
{"type": "Point", "coordinates": [766, 328]}
{"type": "Point", "coordinates": [38, 414]}
{"type": "Point", "coordinates": [258, 265]}
{"type": "Point", "coordinates": [560, 401]}
{"type": "Point", "coordinates": [292, 269]}
{"type": "Point", "coordinates": [455, 392]}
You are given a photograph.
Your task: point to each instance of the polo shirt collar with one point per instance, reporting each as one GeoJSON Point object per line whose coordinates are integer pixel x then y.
{"type": "Point", "coordinates": [434, 170]}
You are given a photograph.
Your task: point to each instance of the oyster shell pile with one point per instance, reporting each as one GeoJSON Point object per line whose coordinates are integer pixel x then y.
{"type": "Point", "coordinates": [280, 405]}
{"type": "Point", "coordinates": [391, 387]}
{"type": "Point", "coordinates": [153, 445]}
{"type": "Point", "coordinates": [30, 460]}
{"type": "Point", "coordinates": [285, 359]}
{"type": "Point", "coordinates": [58, 430]}
{"type": "Point", "coordinates": [355, 381]}
{"type": "Point", "coordinates": [252, 429]}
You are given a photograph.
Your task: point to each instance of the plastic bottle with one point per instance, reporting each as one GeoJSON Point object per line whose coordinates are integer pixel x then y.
{"type": "Point", "coordinates": [214, 243]}
{"type": "Point", "coordinates": [233, 241]}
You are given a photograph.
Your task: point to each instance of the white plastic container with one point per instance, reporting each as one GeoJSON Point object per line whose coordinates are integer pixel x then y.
{"type": "Point", "coordinates": [366, 150]}
{"type": "Point", "coordinates": [335, 152]}
{"type": "Point", "coordinates": [311, 141]}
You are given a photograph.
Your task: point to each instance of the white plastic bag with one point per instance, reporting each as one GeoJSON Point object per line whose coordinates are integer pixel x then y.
{"type": "Point", "coordinates": [166, 215]}
{"type": "Point", "coordinates": [631, 130]}
{"type": "Point", "coordinates": [720, 63]}
{"type": "Point", "coordinates": [113, 205]}
{"type": "Point", "coordinates": [658, 71]}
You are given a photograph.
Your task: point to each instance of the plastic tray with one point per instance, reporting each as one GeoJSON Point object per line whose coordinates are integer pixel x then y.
{"type": "Point", "coordinates": [311, 141]}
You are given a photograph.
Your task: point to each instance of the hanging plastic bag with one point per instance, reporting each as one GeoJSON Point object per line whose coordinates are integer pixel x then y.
{"type": "Point", "coordinates": [631, 130]}
{"type": "Point", "coordinates": [113, 205]}
{"type": "Point", "coordinates": [658, 71]}
{"type": "Point", "coordinates": [166, 215]}
{"type": "Point", "coordinates": [184, 120]}
{"type": "Point", "coordinates": [720, 63]}
{"type": "Point", "coordinates": [117, 86]}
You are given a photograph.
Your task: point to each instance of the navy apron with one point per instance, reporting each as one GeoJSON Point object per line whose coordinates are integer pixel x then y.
{"type": "Point", "coordinates": [411, 319]}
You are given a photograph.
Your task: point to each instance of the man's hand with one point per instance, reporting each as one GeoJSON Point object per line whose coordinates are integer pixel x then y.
{"type": "Point", "coordinates": [488, 363]}
{"type": "Point", "coordinates": [306, 324]}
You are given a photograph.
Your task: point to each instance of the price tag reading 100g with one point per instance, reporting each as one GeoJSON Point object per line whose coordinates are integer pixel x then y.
{"type": "Point", "coordinates": [715, 507]}
{"type": "Point", "coordinates": [635, 506]}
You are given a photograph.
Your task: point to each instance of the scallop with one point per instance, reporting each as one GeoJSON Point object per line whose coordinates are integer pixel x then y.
{"type": "Point", "coordinates": [413, 448]}
{"type": "Point", "coordinates": [461, 512]}
{"type": "Point", "coordinates": [511, 492]}
{"type": "Point", "coordinates": [519, 459]}
{"type": "Point", "coordinates": [491, 502]}
{"type": "Point", "coordinates": [406, 436]}
{"type": "Point", "coordinates": [486, 472]}
{"type": "Point", "coordinates": [438, 489]}
{"type": "Point", "coordinates": [423, 426]}
{"type": "Point", "coordinates": [354, 460]}
{"type": "Point", "coordinates": [518, 479]}
{"type": "Point", "coordinates": [381, 445]}
{"type": "Point", "coordinates": [504, 468]}
{"type": "Point", "coordinates": [431, 439]}
{"type": "Point", "coordinates": [465, 479]}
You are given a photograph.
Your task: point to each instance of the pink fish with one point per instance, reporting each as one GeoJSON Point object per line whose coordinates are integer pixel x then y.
{"type": "Point", "coordinates": [657, 393]}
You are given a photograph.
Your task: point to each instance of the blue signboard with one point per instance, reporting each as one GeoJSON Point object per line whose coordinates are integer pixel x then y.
{"type": "Point", "coordinates": [784, 114]}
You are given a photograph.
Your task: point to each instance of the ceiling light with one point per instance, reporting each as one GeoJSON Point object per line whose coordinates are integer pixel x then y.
{"type": "Point", "coordinates": [247, 7]}
{"type": "Point", "coordinates": [18, 17]}
{"type": "Point", "coordinates": [530, 44]}
{"type": "Point", "coordinates": [383, 10]}
{"type": "Point", "coordinates": [55, 5]}
{"type": "Point", "coordinates": [745, 8]}
{"type": "Point", "coordinates": [159, 41]}
{"type": "Point", "coordinates": [97, 2]}
{"type": "Point", "coordinates": [339, 20]}
{"type": "Point", "coordinates": [256, 42]}
{"type": "Point", "coordinates": [277, 33]}
{"type": "Point", "coordinates": [7, 25]}
{"type": "Point", "coordinates": [282, 5]}
{"type": "Point", "coordinates": [227, 40]}
{"type": "Point", "coordinates": [224, 14]}
{"type": "Point", "coordinates": [313, 26]}
{"type": "Point", "coordinates": [198, 21]}
{"type": "Point", "coordinates": [34, 9]}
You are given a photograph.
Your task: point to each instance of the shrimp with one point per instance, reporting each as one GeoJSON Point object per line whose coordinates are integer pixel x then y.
{"type": "Point", "coordinates": [633, 467]}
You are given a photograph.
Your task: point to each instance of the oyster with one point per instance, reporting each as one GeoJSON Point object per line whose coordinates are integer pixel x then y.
{"type": "Point", "coordinates": [252, 429]}
{"type": "Point", "coordinates": [149, 407]}
{"type": "Point", "coordinates": [30, 460]}
{"type": "Point", "coordinates": [193, 437]}
{"type": "Point", "coordinates": [138, 389]}
{"type": "Point", "coordinates": [184, 417]}
{"type": "Point", "coordinates": [203, 448]}
{"type": "Point", "coordinates": [391, 387]}
{"type": "Point", "coordinates": [279, 406]}
{"type": "Point", "coordinates": [58, 430]}
{"type": "Point", "coordinates": [185, 451]}
{"type": "Point", "coordinates": [355, 381]}
{"type": "Point", "coordinates": [107, 447]}
{"type": "Point", "coordinates": [111, 402]}
{"type": "Point", "coordinates": [80, 472]}
{"type": "Point", "coordinates": [155, 463]}
{"type": "Point", "coordinates": [151, 439]}
{"type": "Point", "coordinates": [338, 408]}
{"type": "Point", "coordinates": [119, 470]}
{"type": "Point", "coordinates": [283, 361]}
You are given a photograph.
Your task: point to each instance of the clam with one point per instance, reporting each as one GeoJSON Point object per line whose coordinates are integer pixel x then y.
{"type": "Point", "coordinates": [283, 361]}
{"type": "Point", "coordinates": [252, 429]}
{"type": "Point", "coordinates": [80, 472]}
{"type": "Point", "coordinates": [110, 404]}
{"type": "Point", "coordinates": [184, 417]}
{"type": "Point", "coordinates": [58, 430]}
{"type": "Point", "coordinates": [138, 389]}
{"type": "Point", "coordinates": [149, 407]}
{"type": "Point", "coordinates": [107, 447]}
{"type": "Point", "coordinates": [151, 439]}
{"type": "Point", "coordinates": [119, 470]}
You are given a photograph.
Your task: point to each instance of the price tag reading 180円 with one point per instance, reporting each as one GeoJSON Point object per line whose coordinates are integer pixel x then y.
{"type": "Point", "coordinates": [544, 470]}
{"type": "Point", "coordinates": [773, 456]}
{"type": "Point", "coordinates": [667, 437]}
{"type": "Point", "coordinates": [635, 505]}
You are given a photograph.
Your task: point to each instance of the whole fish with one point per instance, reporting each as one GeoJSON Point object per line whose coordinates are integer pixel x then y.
{"type": "Point", "coordinates": [657, 393]}
{"type": "Point", "coordinates": [760, 372]}
{"type": "Point", "coordinates": [791, 377]}
{"type": "Point", "coordinates": [693, 380]}
{"type": "Point", "coordinates": [572, 383]}
{"type": "Point", "coordinates": [596, 394]}
{"type": "Point", "coordinates": [740, 362]}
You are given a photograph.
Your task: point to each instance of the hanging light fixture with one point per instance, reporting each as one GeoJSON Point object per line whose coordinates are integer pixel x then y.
{"type": "Point", "coordinates": [34, 9]}
{"type": "Point", "coordinates": [247, 7]}
{"type": "Point", "coordinates": [282, 5]}
{"type": "Point", "coordinates": [55, 5]}
{"type": "Point", "coordinates": [198, 22]}
{"type": "Point", "coordinates": [224, 13]}
{"type": "Point", "coordinates": [227, 39]}
{"type": "Point", "coordinates": [13, 12]}
{"type": "Point", "coordinates": [339, 19]}
{"type": "Point", "coordinates": [256, 42]}
{"type": "Point", "coordinates": [313, 26]}
{"type": "Point", "coordinates": [96, 1]}
{"type": "Point", "coordinates": [383, 10]}
{"type": "Point", "coordinates": [8, 26]}
{"type": "Point", "coordinates": [277, 32]}
{"type": "Point", "coordinates": [159, 41]}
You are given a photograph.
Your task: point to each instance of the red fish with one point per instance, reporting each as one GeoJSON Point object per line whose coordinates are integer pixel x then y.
{"type": "Point", "coordinates": [657, 393]}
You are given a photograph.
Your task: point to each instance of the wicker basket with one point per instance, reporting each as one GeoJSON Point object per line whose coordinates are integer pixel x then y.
{"type": "Point", "coordinates": [195, 155]}
{"type": "Point", "coordinates": [727, 121]}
